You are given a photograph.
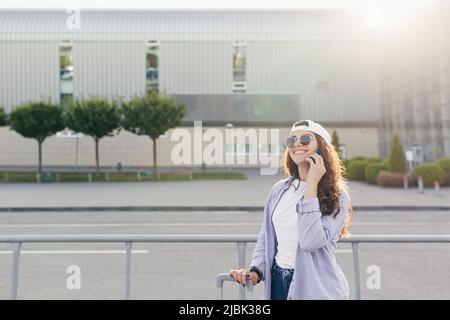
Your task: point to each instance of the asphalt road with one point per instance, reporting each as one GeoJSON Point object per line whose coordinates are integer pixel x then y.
{"type": "Point", "coordinates": [188, 270]}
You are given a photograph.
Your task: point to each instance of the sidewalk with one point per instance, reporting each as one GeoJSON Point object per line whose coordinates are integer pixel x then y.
{"type": "Point", "coordinates": [214, 193]}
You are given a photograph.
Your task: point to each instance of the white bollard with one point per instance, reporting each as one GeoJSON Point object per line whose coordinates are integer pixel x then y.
{"type": "Point", "coordinates": [437, 189]}
{"type": "Point", "coordinates": [405, 182]}
{"type": "Point", "coordinates": [420, 182]}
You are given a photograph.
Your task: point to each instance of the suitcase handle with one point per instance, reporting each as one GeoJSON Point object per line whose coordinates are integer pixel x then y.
{"type": "Point", "coordinates": [222, 277]}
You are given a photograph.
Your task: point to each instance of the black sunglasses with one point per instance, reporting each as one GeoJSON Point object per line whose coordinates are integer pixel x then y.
{"type": "Point", "coordinates": [304, 140]}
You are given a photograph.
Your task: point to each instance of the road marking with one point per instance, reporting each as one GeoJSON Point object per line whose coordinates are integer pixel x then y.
{"type": "Point", "coordinates": [6, 252]}
{"type": "Point", "coordinates": [344, 251]}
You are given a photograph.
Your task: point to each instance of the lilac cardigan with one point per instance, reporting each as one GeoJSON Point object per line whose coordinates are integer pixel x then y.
{"type": "Point", "coordinates": [317, 274]}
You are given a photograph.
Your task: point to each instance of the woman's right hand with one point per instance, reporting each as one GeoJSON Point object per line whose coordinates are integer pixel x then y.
{"type": "Point", "coordinates": [242, 275]}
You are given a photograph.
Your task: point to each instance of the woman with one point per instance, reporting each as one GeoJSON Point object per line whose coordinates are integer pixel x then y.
{"type": "Point", "coordinates": [304, 216]}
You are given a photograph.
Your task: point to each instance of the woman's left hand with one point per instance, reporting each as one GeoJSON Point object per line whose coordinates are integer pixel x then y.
{"type": "Point", "coordinates": [316, 170]}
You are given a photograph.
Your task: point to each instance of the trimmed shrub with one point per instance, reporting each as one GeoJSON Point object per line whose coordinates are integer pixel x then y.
{"type": "Point", "coordinates": [59, 177]}
{"type": "Point", "coordinates": [218, 175]}
{"type": "Point", "coordinates": [392, 179]}
{"type": "Point", "coordinates": [446, 179]}
{"type": "Point", "coordinates": [430, 172]}
{"type": "Point", "coordinates": [372, 171]}
{"type": "Point", "coordinates": [335, 142]}
{"type": "Point", "coordinates": [346, 162]}
{"type": "Point", "coordinates": [397, 161]}
{"type": "Point", "coordinates": [375, 160]}
{"type": "Point", "coordinates": [444, 163]}
{"type": "Point", "coordinates": [3, 117]}
{"type": "Point", "coordinates": [18, 177]}
{"type": "Point", "coordinates": [358, 158]}
{"type": "Point", "coordinates": [72, 177]}
{"type": "Point", "coordinates": [356, 170]}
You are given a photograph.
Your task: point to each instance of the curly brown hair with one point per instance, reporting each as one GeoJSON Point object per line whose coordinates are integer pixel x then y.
{"type": "Point", "coordinates": [332, 184]}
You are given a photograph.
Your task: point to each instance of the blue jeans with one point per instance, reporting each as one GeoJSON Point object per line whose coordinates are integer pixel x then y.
{"type": "Point", "coordinates": [281, 280]}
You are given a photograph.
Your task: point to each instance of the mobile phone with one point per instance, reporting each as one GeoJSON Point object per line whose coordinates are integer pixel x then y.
{"type": "Point", "coordinates": [317, 152]}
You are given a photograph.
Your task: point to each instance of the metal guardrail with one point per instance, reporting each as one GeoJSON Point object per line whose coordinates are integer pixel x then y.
{"type": "Point", "coordinates": [16, 242]}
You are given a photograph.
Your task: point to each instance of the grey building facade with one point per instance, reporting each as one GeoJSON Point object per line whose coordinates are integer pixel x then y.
{"type": "Point", "coordinates": [251, 68]}
{"type": "Point", "coordinates": [415, 90]}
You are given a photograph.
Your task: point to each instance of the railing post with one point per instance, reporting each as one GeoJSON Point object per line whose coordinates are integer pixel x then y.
{"type": "Point", "coordinates": [241, 263]}
{"type": "Point", "coordinates": [16, 246]}
{"type": "Point", "coordinates": [355, 249]}
{"type": "Point", "coordinates": [241, 254]}
{"type": "Point", "coordinates": [128, 246]}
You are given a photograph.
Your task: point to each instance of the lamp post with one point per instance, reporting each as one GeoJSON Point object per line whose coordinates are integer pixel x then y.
{"type": "Point", "coordinates": [66, 133]}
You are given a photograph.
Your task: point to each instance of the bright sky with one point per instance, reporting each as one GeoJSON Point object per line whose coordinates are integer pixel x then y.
{"type": "Point", "coordinates": [216, 4]}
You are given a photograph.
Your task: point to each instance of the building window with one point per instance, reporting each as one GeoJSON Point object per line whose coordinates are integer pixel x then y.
{"type": "Point", "coordinates": [152, 63]}
{"type": "Point", "coordinates": [66, 70]}
{"type": "Point", "coordinates": [230, 149]}
{"type": "Point", "coordinates": [239, 66]}
{"type": "Point", "coordinates": [274, 149]}
{"type": "Point", "coordinates": [248, 149]}
{"type": "Point", "coordinates": [240, 149]}
{"type": "Point", "coordinates": [269, 149]}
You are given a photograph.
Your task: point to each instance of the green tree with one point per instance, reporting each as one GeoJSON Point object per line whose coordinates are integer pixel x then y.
{"type": "Point", "coordinates": [397, 161]}
{"type": "Point", "coordinates": [37, 120]}
{"type": "Point", "coordinates": [152, 115]}
{"type": "Point", "coordinates": [95, 117]}
{"type": "Point", "coordinates": [3, 117]}
{"type": "Point", "coordinates": [335, 142]}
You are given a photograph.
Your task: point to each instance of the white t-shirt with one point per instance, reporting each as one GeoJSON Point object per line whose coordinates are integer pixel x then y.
{"type": "Point", "coordinates": [285, 223]}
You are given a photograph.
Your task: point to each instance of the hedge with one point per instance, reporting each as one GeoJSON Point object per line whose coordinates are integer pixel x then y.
{"type": "Point", "coordinates": [430, 173]}
{"type": "Point", "coordinates": [372, 171]}
{"type": "Point", "coordinates": [444, 163]}
{"type": "Point", "coordinates": [375, 160]}
{"type": "Point", "coordinates": [358, 158]}
{"type": "Point", "coordinates": [356, 170]}
{"type": "Point", "coordinates": [392, 179]}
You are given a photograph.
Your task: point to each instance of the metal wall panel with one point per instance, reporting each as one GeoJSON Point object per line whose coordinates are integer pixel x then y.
{"type": "Point", "coordinates": [303, 68]}
{"type": "Point", "coordinates": [28, 71]}
{"type": "Point", "coordinates": [109, 68]}
{"type": "Point", "coordinates": [196, 67]}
